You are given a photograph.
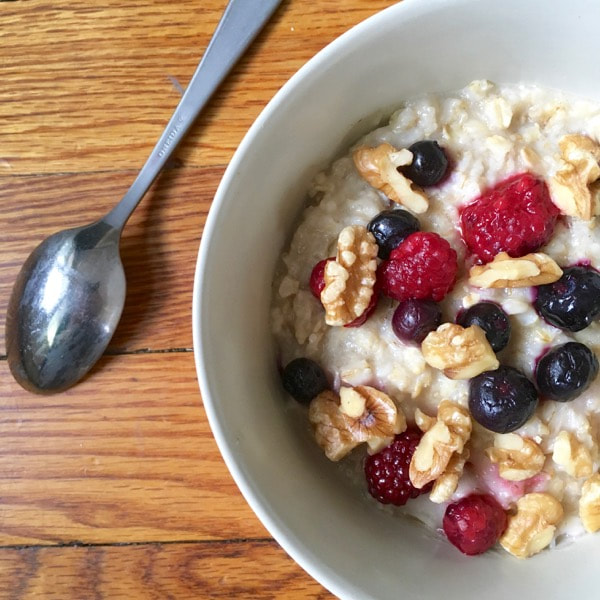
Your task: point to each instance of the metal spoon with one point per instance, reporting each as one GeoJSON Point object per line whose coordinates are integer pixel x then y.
{"type": "Point", "coordinates": [69, 295]}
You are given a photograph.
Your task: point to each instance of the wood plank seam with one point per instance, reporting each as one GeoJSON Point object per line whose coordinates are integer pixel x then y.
{"type": "Point", "coordinates": [77, 544]}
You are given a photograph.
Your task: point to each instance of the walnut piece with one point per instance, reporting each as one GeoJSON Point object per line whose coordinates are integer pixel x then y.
{"type": "Point", "coordinates": [572, 455]}
{"type": "Point", "coordinates": [532, 528]}
{"type": "Point", "coordinates": [517, 458]}
{"type": "Point", "coordinates": [583, 153]}
{"type": "Point", "coordinates": [331, 426]}
{"type": "Point", "coordinates": [424, 422]}
{"type": "Point", "coordinates": [507, 272]}
{"type": "Point", "coordinates": [374, 419]}
{"type": "Point", "coordinates": [349, 279]}
{"type": "Point", "coordinates": [379, 167]}
{"type": "Point", "coordinates": [461, 353]}
{"type": "Point", "coordinates": [449, 434]}
{"type": "Point", "coordinates": [589, 504]}
{"type": "Point", "coordinates": [574, 189]}
{"type": "Point", "coordinates": [445, 485]}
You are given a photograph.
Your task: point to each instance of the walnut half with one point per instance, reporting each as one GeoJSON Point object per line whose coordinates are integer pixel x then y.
{"type": "Point", "coordinates": [443, 437]}
{"type": "Point", "coordinates": [379, 166]}
{"type": "Point", "coordinates": [589, 504]}
{"type": "Point", "coordinates": [532, 528]}
{"type": "Point", "coordinates": [572, 455]}
{"type": "Point", "coordinates": [507, 272]}
{"type": "Point", "coordinates": [517, 458]}
{"type": "Point", "coordinates": [374, 416]}
{"type": "Point", "coordinates": [349, 279]}
{"type": "Point", "coordinates": [445, 485]}
{"type": "Point", "coordinates": [360, 414]}
{"type": "Point", "coordinates": [574, 188]}
{"type": "Point", "coordinates": [461, 353]}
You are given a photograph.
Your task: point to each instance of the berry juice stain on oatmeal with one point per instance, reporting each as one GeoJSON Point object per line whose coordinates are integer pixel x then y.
{"type": "Point", "coordinates": [437, 312]}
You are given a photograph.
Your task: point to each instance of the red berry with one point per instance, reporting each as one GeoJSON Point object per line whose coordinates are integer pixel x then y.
{"type": "Point", "coordinates": [423, 267]}
{"type": "Point", "coordinates": [317, 283]}
{"type": "Point", "coordinates": [516, 216]}
{"type": "Point", "coordinates": [387, 471]}
{"type": "Point", "coordinates": [317, 277]}
{"type": "Point", "coordinates": [474, 524]}
{"type": "Point", "coordinates": [362, 319]}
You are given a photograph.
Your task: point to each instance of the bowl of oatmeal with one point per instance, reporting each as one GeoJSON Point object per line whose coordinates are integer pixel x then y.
{"type": "Point", "coordinates": [398, 354]}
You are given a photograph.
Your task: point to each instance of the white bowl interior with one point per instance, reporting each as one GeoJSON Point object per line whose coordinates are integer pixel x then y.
{"type": "Point", "coordinates": [418, 46]}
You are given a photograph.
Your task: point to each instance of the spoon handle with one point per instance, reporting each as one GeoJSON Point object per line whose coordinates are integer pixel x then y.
{"type": "Point", "coordinates": [239, 25]}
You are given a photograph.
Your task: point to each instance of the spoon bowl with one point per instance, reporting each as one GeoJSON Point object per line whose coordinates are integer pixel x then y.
{"type": "Point", "coordinates": [69, 294]}
{"type": "Point", "coordinates": [65, 307]}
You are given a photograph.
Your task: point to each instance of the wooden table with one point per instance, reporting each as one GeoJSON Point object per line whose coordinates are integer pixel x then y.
{"type": "Point", "coordinates": [116, 489]}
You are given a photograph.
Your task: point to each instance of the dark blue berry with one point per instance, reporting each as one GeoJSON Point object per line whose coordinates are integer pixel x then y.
{"type": "Point", "coordinates": [566, 371]}
{"type": "Point", "coordinates": [304, 379]}
{"type": "Point", "coordinates": [429, 163]}
{"type": "Point", "coordinates": [573, 301]}
{"type": "Point", "coordinates": [502, 400]}
{"type": "Point", "coordinates": [414, 319]}
{"type": "Point", "coordinates": [390, 228]}
{"type": "Point", "coordinates": [492, 319]}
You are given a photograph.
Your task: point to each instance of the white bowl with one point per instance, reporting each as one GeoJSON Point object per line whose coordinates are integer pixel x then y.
{"type": "Point", "coordinates": [354, 550]}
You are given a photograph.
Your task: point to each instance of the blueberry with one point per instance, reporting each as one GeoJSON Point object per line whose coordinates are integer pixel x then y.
{"type": "Point", "coordinates": [414, 319]}
{"type": "Point", "coordinates": [566, 371]}
{"type": "Point", "coordinates": [492, 319]}
{"type": "Point", "coordinates": [390, 228]}
{"type": "Point", "coordinates": [573, 301]}
{"type": "Point", "coordinates": [429, 164]}
{"type": "Point", "coordinates": [304, 379]}
{"type": "Point", "coordinates": [502, 400]}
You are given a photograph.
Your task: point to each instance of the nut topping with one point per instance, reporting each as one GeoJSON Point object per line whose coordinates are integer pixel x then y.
{"type": "Point", "coordinates": [572, 455]}
{"type": "Point", "coordinates": [461, 353]}
{"type": "Point", "coordinates": [352, 402]}
{"type": "Point", "coordinates": [589, 504]}
{"type": "Point", "coordinates": [360, 414]}
{"type": "Point", "coordinates": [331, 426]}
{"type": "Point", "coordinates": [379, 166]}
{"type": "Point", "coordinates": [424, 422]}
{"type": "Point", "coordinates": [441, 440]}
{"type": "Point", "coordinates": [583, 153]}
{"type": "Point", "coordinates": [349, 279]}
{"type": "Point", "coordinates": [532, 528]}
{"type": "Point", "coordinates": [573, 187]}
{"type": "Point", "coordinates": [507, 272]}
{"type": "Point", "coordinates": [445, 485]}
{"type": "Point", "coordinates": [378, 421]}
{"type": "Point", "coordinates": [517, 458]}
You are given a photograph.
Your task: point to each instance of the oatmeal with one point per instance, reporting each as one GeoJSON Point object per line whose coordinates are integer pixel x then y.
{"type": "Point", "coordinates": [440, 300]}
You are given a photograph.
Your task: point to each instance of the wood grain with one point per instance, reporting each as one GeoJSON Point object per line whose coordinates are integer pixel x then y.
{"type": "Point", "coordinates": [159, 249]}
{"type": "Point", "coordinates": [252, 569]}
{"type": "Point", "coordinates": [116, 489]}
{"type": "Point", "coordinates": [95, 87]}
{"type": "Point", "coordinates": [125, 456]}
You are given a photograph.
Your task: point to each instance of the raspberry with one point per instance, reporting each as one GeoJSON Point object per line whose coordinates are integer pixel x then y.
{"type": "Point", "coordinates": [516, 216]}
{"type": "Point", "coordinates": [317, 283]}
{"type": "Point", "coordinates": [474, 524]}
{"type": "Point", "coordinates": [387, 471]}
{"type": "Point", "coordinates": [422, 267]}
